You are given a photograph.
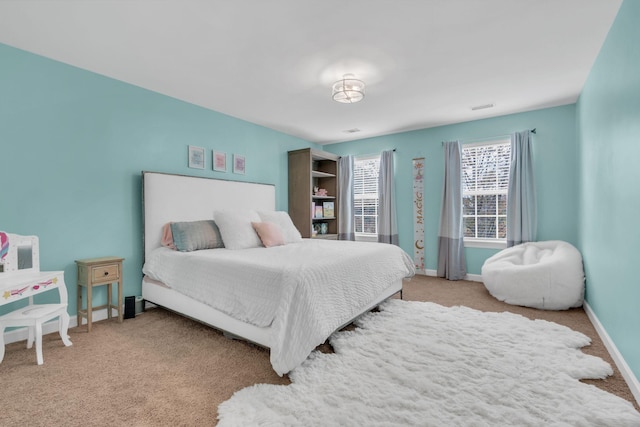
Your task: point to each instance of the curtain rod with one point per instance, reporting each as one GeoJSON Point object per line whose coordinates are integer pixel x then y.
{"type": "Point", "coordinates": [493, 137]}
{"type": "Point", "coordinates": [372, 154]}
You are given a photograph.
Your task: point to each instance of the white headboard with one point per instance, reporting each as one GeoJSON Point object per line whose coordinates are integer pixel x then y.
{"type": "Point", "coordinates": [168, 197]}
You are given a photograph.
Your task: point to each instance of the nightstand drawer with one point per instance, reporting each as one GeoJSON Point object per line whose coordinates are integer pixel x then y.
{"type": "Point", "coordinates": [105, 272]}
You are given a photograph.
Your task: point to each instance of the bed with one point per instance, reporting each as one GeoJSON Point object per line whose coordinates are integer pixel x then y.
{"type": "Point", "coordinates": [288, 298]}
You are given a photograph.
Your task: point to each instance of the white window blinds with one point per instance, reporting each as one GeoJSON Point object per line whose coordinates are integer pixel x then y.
{"type": "Point", "coordinates": [365, 186]}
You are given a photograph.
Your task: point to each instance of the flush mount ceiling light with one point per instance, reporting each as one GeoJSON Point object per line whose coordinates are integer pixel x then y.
{"type": "Point", "coordinates": [349, 90]}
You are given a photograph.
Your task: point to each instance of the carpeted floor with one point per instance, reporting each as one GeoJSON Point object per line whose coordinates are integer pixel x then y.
{"type": "Point", "coordinates": [164, 369]}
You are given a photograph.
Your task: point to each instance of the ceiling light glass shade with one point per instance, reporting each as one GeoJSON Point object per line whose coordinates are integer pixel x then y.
{"type": "Point", "coordinates": [348, 90]}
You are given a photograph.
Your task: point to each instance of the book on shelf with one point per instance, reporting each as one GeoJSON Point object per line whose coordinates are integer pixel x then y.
{"type": "Point", "coordinates": [318, 212]}
{"type": "Point", "coordinates": [327, 209]}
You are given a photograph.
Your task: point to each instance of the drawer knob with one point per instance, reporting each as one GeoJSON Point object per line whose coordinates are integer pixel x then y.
{"type": "Point", "coordinates": [106, 273]}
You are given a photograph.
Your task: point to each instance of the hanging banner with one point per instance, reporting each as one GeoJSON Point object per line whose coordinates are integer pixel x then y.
{"type": "Point", "coordinates": [418, 218]}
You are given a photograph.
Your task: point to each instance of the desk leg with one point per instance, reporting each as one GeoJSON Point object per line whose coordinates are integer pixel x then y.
{"type": "Point", "coordinates": [120, 300]}
{"type": "Point", "coordinates": [39, 357]}
{"type": "Point", "coordinates": [64, 328]}
{"type": "Point", "coordinates": [31, 337]}
{"type": "Point", "coordinates": [89, 307]}
{"type": "Point", "coordinates": [79, 305]}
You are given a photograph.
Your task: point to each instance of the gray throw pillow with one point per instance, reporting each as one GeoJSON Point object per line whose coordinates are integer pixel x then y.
{"type": "Point", "coordinates": [196, 235]}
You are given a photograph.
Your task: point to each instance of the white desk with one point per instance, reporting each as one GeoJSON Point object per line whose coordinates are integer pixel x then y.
{"type": "Point", "coordinates": [17, 286]}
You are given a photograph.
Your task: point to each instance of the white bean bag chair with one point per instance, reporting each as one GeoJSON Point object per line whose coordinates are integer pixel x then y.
{"type": "Point", "coordinates": [546, 275]}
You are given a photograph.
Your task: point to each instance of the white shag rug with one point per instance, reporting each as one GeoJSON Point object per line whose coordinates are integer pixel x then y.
{"type": "Point", "coordinates": [422, 364]}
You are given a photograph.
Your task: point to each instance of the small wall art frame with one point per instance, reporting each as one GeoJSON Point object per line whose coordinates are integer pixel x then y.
{"type": "Point", "coordinates": [238, 164]}
{"type": "Point", "coordinates": [219, 161]}
{"type": "Point", "coordinates": [196, 157]}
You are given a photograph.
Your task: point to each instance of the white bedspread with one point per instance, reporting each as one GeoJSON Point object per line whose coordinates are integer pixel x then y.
{"type": "Point", "coordinates": [304, 291]}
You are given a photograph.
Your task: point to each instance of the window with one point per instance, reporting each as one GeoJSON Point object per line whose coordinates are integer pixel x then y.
{"type": "Point", "coordinates": [485, 182]}
{"type": "Point", "coordinates": [365, 194]}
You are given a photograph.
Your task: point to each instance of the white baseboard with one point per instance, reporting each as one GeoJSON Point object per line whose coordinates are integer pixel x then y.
{"type": "Point", "coordinates": [434, 273]}
{"type": "Point", "coordinates": [624, 369]}
{"type": "Point", "coordinates": [22, 334]}
{"type": "Point", "coordinates": [427, 272]}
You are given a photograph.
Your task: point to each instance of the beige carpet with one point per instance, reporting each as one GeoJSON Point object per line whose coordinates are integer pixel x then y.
{"type": "Point", "coordinates": [163, 369]}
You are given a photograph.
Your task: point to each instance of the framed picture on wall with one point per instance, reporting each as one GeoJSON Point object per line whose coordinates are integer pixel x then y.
{"type": "Point", "coordinates": [196, 157]}
{"type": "Point", "coordinates": [238, 164]}
{"type": "Point", "coordinates": [219, 161]}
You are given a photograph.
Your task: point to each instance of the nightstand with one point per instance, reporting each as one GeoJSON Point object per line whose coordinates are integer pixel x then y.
{"type": "Point", "coordinates": [97, 272]}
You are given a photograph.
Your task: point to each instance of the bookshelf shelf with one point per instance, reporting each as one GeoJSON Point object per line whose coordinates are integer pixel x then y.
{"type": "Point", "coordinates": [318, 174]}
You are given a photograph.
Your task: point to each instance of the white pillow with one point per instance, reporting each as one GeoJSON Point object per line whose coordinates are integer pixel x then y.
{"type": "Point", "coordinates": [282, 220]}
{"type": "Point", "coordinates": [236, 229]}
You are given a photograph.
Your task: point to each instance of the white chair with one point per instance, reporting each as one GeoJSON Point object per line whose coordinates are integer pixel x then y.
{"type": "Point", "coordinates": [547, 275]}
{"type": "Point", "coordinates": [22, 278]}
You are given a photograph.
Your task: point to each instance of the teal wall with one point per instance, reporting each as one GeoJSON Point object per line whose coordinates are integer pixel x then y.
{"type": "Point", "coordinates": [556, 172]}
{"type": "Point", "coordinates": [608, 117]}
{"type": "Point", "coordinates": [73, 145]}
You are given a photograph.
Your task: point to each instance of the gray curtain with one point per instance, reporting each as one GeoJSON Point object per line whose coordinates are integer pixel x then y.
{"type": "Point", "coordinates": [387, 222]}
{"type": "Point", "coordinates": [451, 262]}
{"type": "Point", "coordinates": [522, 217]}
{"type": "Point", "coordinates": [345, 199]}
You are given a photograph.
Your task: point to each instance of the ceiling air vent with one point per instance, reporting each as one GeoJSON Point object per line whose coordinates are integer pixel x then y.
{"type": "Point", "coordinates": [481, 107]}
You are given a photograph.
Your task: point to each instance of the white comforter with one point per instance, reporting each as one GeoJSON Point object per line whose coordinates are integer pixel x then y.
{"type": "Point", "coordinates": [304, 291]}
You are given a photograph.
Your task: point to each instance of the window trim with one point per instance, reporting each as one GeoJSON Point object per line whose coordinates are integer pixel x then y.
{"type": "Point", "coordinates": [475, 242]}
{"type": "Point", "coordinates": [369, 237]}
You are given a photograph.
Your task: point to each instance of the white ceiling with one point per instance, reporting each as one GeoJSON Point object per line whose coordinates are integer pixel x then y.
{"type": "Point", "coordinates": [425, 62]}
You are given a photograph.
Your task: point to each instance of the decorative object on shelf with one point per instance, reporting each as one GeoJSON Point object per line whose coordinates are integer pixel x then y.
{"type": "Point", "coordinates": [196, 157]}
{"type": "Point", "coordinates": [238, 164]}
{"type": "Point", "coordinates": [318, 212]}
{"type": "Point", "coordinates": [349, 90]}
{"type": "Point", "coordinates": [320, 228]}
{"type": "Point", "coordinates": [324, 228]}
{"type": "Point", "coordinates": [321, 192]}
{"type": "Point", "coordinates": [219, 161]}
{"type": "Point", "coordinates": [327, 210]}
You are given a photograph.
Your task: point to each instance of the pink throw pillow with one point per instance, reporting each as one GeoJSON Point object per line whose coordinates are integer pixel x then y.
{"type": "Point", "coordinates": [269, 233]}
{"type": "Point", "coordinates": [167, 237]}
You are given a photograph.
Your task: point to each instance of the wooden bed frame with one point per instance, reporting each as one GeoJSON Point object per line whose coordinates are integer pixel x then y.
{"type": "Point", "coordinates": [168, 198]}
